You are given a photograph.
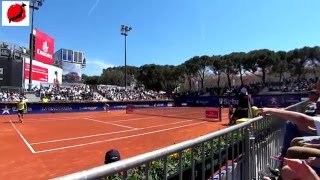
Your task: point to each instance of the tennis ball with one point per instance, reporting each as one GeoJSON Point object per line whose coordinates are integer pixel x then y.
{"type": "Point", "coordinates": [255, 111]}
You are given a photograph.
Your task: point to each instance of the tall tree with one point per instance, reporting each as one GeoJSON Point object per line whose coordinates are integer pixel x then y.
{"type": "Point", "coordinates": [262, 59]}
{"type": "Point", "coordinates": [238, 59]}
{"type": "Point", "coordinates": [113, 76]}
{"type": "Point", "coordinates": [297, 59]}
{"type": "Point", "coordinates": [190, 70]}
{"type": "Point", "coordinates": [216, 66]}
{"type": "Point", "coordinates": [281, 64]}
{"type": "Point", "coordinates": [228, 67]}
{"type": "Point", "coordinates": [150, 76]}
{"type": "Point", "coordinates": [201, 65]}
{"type": "Point", "coordinates": [314, 60]}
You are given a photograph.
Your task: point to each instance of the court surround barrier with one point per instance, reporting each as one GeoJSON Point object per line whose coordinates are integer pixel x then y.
{"type": "Point", "coordinates": [282, 100]}
{"type": "Point", "coordinates": [238, 152]}
{"type": "Point", "coordinates": [80, 106]}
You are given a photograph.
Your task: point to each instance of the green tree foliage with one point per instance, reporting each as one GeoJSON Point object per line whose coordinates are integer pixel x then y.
{"type": "Point", "coordinates": [262, 59]}
{"type": "Point", "coordinates": [199, 68]}
{"type": "Point", "coordinates": [216, 66]}
{"type": "Point", "coordinates": [280, 65]}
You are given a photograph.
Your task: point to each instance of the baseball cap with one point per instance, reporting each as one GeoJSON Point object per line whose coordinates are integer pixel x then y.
{"type": "Point", "coordinates": [112, 155]}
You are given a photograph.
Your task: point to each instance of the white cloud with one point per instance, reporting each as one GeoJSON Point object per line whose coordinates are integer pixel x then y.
{"type": "Point", "coordinates": [95, 66]}
{"type": "Point", "coordinates": [94, 6]}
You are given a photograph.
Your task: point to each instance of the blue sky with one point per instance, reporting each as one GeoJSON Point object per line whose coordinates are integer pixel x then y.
{"type": "Point", "coordinates": [172, 31]}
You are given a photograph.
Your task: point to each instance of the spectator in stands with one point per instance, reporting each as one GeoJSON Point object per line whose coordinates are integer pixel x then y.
{"type": "Point", "coordinates": [304, 123]}
{"type": "Point", "coordinates": [67, 92]}
{"type": "Point", "coordinates": [116, 93]}
{"type": "Point", "coordinates": [292, 131]}
{"type": "Point", "coordinates": [296, 169]}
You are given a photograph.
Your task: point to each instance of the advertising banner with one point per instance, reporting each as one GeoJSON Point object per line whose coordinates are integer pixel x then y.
{"type": "Point", "coordinates": [36, 108]}
{"type": "Point", "coordinates": [44, 47]}
{"type": "Point", "coordinates": [42, 73]}
{"type": "Point", "coordinates": [281, 100]}
{"type": "Point", "coordinates": [38, 73]}
{"type": "Point", "coordinates": [72, 72]}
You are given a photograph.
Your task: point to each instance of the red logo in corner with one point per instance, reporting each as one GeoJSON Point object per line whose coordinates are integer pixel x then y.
{"type": "Point", "coordinates": [16, 12]}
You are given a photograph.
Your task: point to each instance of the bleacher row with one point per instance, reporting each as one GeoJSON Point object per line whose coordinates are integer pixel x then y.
{"type": "Point", "coordinates": [82, 92]}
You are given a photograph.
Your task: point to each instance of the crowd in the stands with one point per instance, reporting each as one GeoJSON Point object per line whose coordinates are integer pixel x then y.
{"type": "Point", "coordinates": [116, 93]}
{"type": "Point", "coordinates": [294, 86]}
{"type": "Point", "coordinates": [77, 92]}
{"type": "Point", "coordinates": [6, 96]}
{"type": "Point", "coordinates": [81, 92]}
{"type": "Point", "coordinates": [252, 88]}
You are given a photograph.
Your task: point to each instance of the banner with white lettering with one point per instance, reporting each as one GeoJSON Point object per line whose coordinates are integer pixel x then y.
{"type": "Point", "coordinates": [44, 47]}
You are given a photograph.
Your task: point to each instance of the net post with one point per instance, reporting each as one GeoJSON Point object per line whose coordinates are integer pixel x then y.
{"type": "Point", "coordinates": [220, 108]}
{"type": "Point", "coordinates": [220, 113]}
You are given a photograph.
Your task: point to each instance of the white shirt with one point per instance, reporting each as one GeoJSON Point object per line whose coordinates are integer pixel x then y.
{"type": "Point", "coordinates": [317, 123]}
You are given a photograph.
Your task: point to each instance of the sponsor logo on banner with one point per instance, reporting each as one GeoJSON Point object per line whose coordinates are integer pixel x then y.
{"type": "Point", "coordinates": [44, 47]}
{"type": "Point", "coordinates": [57, 108]}
{"type": "Point", "coordinates": [15, 13]}
{"type": "Point", "coordinates": [38, 73]}
{"type": "Point", "coordinates": [170, 104]}
{"type": "Point", "coordinates": [160, 105]}
{"type": "Point", "coordinates": [212, 113]}
{"type": "Point", "coordinates": [142, 105]}
{"type": "Point", "coordinates": [226, 101]}
{"type": "Point", "coordinates": [88, 108]}
{"type": "Point", "coordinates": [292, 100]}
{"type": "Point", "coordinates": [120, 107]}
{"type": "Point", "coordinates": [6, 110]}
{"type": "Point", "coordinates": [202, 102]}
{"type": "Point", "coordinates": [273, 101]}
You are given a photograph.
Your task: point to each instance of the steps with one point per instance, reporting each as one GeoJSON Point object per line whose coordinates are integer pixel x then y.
{"type": "Point", "coordinates": [32, 97]}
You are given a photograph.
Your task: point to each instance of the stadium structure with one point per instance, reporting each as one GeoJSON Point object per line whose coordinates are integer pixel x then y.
{"type": "Point", "coordinates": [72, 62]}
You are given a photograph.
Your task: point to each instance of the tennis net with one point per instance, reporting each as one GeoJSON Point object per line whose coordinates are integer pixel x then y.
{"type": "Point", "coordinates": [191, 113]}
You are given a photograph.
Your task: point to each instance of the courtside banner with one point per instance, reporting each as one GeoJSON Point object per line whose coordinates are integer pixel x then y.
{"type": "Point", "coordinates": [15, 13]}
{"type": "Point", "coordinates": [66, 107]}
{"type": "Point", "coordinates": [44, 47]}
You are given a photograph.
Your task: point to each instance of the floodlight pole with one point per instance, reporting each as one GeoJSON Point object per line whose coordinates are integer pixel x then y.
{"type": "Point", "coordinates": [124, 31]}
{"type": "Point", "coordinates": [34, 5]}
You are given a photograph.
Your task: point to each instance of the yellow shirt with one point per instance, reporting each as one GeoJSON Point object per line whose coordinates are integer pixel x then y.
{"type": "Point", "coordinates": [22, 105]}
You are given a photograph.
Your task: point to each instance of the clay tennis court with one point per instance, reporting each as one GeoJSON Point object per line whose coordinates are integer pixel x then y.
{"type": "Point", "coordinates": [51, 145]}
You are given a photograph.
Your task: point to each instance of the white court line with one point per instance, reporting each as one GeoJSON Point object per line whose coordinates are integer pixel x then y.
{"type": "Point", "coordinates": [124, 137]}
{"type": "Point", "coordinates": [24, 140]}
{"type": "Point", "coordinates": [174, 116]}
{"type": "Point", "coordinates": [102, 134]}
{"type": "Point", "coordinates": [82, 137]}
{"type": "Point", "coordinates": [134, 119]}
{"type": "Point", "coordinates": [58, 118]}
{"type": "Point", "coordinates": [90, 119]}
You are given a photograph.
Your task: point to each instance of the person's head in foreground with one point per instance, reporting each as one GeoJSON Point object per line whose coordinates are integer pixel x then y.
{"type": "Point", "coordinates": [111, 156]}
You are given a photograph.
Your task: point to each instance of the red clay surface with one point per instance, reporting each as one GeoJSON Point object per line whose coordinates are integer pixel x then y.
{"type": "Point", "coordinates": [51, 145]}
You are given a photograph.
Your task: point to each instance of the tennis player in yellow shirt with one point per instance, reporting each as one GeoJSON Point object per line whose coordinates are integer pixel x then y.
{"type": "Point", "coordinates": [22, 107]}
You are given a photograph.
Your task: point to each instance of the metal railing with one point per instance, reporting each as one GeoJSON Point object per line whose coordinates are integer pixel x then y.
{"type": "Point", "coordinates": [237, 152]}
